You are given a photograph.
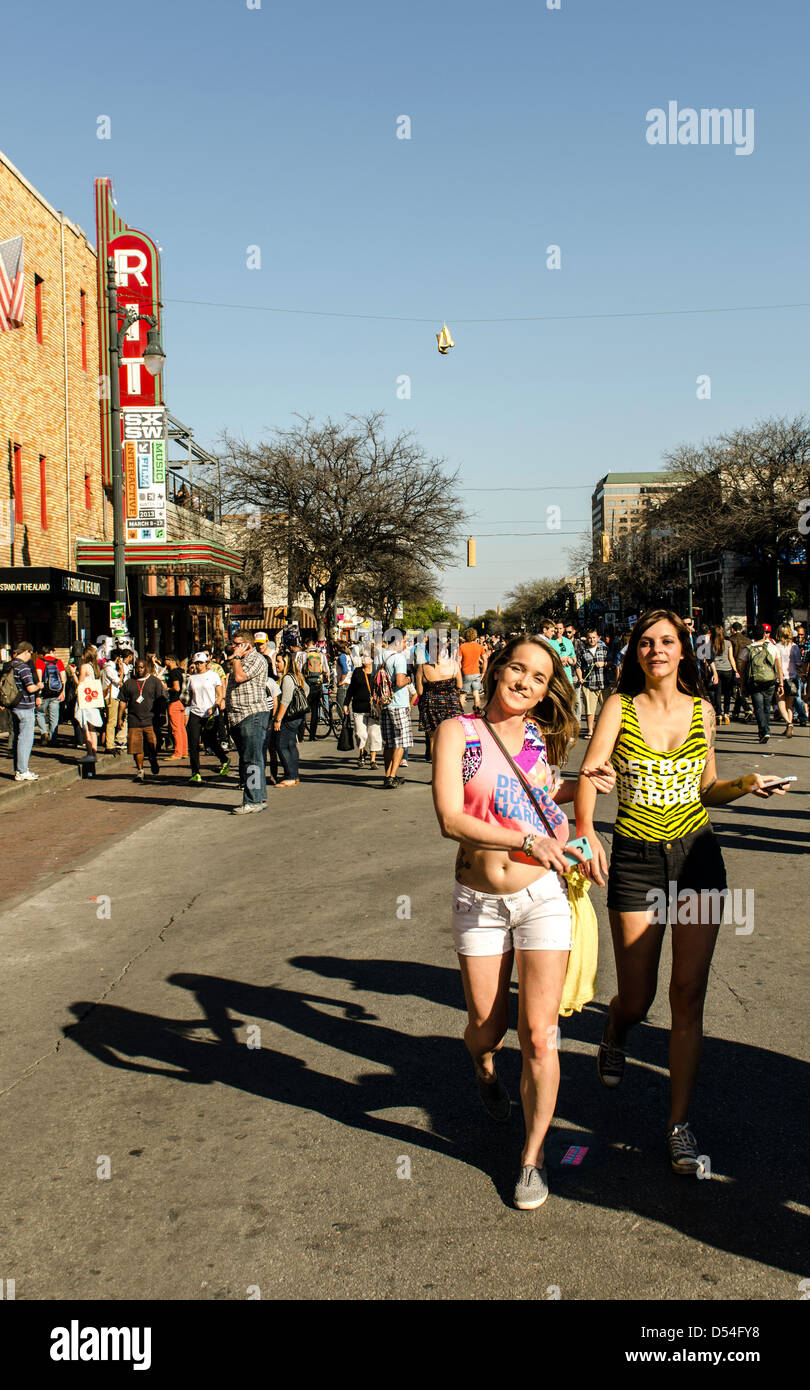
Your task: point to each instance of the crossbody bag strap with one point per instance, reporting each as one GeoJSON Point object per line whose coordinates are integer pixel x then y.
{"type": "Point", "coordinates": [523, 779]}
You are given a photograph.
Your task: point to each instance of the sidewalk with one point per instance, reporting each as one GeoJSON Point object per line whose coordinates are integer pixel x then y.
{"type": "Point", "coordinates": [56, 767]}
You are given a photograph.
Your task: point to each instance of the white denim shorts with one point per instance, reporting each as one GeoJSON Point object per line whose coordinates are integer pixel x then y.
{"type": "Point", "coordinates": [537, 918]}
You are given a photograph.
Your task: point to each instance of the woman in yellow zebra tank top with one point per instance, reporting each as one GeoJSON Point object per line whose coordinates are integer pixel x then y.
{"type": "Point", "coordinates": [659, 733]}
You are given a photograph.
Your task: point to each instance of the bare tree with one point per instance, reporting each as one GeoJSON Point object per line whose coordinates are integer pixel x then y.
{"type": "Point", "coordinates": [527, 603]}
{"type": "Point", "coordinates": [394, 580]}
{"type": "Point", "coordinates": [338, 501]}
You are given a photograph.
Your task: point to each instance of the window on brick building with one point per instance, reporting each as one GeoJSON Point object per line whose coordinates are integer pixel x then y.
{"type": "Point", "coordinates": [43, 492]}
{"type": "Point", "coordinates": [38, 307]}
{"type": "Point", "coordinates": [83, 316]}
{"type": "Point", "coordinates": [16, 451]}
{"type": "Point", "coordinates": [87, 494]}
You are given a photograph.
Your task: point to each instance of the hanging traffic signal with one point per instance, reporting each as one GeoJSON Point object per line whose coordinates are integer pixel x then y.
{"type": "Point", "coordinates": [470, 552]}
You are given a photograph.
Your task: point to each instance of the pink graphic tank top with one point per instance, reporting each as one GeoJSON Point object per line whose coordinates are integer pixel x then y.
{"type": "Point", "coordinates": [492, 792]}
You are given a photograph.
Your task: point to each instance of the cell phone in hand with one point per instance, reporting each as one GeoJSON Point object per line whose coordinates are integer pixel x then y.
{"type": "Point", "coordinates": [583, 845]}
{"type": "Point", "coordinates": [772, 783]}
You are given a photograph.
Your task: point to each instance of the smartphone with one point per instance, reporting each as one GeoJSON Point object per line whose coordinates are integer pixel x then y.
{"type": "Point", "coordinates": [771, 783]}
{"type": "Point", "coordinates": [583, 846]}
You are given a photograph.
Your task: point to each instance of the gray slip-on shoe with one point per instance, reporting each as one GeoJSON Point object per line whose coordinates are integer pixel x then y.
{"type": "Point", "coordinates": [531, 1189]}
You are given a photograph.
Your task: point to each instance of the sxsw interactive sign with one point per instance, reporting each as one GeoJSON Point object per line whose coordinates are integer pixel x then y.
{"type": "Point", "coordinates": [145, 442]}
{"type": "Point", "coordinates": [137, 277]}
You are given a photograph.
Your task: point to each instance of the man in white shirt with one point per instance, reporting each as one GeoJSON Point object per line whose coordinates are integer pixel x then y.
{"type": "Point", "coordinates": [113, 674]}
{"type": "Point", "coordinates": [396, 716]}
{"type": "Point", "coordinates": [206, 701]}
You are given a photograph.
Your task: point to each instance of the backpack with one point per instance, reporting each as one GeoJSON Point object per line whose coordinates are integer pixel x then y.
{"type": "Point", "coordinates": [761, 665]}
{"type": "Point", "coordinates": [10, 692]}
{"type": "Point", "coordinates": [52, 679]}
{"type": "Point", "coordinates": [314, 671]}
{"type": "Point", "coordinates": [383, 688]}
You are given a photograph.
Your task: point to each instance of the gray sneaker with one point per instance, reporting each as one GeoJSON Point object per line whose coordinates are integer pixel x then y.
{"type": "Point", "coordinates": [609, 1059]}
{"type": "Point", "coordinates": [683, 1154]}
{"type": "Point", "coordinates": [494, 1098]}
{"type": "Point", "coordinates": [531, 1189]}
{"type": "Point", "coordinates": [248, 809]}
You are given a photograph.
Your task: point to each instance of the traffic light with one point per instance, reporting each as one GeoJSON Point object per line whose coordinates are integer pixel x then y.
{"type": "Point", "coordinates": [605, 538]}
{"type": "Point", "coordinates": [470, 552]}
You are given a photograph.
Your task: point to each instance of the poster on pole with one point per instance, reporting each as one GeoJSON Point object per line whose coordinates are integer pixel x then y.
{"type": "Point", "coordinates": [145, 443]}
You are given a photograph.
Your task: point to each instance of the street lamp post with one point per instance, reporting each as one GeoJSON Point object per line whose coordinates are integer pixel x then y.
{"type": "Point", "coordinates": [120, 323]}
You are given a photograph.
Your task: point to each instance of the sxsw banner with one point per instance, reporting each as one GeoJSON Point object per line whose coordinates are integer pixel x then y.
{"type": "Point", "coordinates": [145, 451]}
{"type": "Point", "coordinates": [137, 275]}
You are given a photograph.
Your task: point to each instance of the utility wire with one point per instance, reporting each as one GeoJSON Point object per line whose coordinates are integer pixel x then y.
{"type": "Point", "coordinates": [525, 318]}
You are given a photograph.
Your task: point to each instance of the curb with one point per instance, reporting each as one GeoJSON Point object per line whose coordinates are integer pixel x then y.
{"type": "Point", "coordinates": [13, 795]}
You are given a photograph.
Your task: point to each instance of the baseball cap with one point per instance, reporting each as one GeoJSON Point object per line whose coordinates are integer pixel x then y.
{"type": "Point", "coordinates": [260, 638]}
{"type": "Point", "coordinates": [200, 656]}
{"type": "Point", "coordinates": [767, 627]}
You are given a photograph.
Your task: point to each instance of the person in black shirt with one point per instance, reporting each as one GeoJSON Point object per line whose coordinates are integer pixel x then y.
{"type": "Point", "coordinates": [138, 696]}
{"type": "Point", "coordinates": [358, 700]}
{"type": "Point", "coordinates": [177, 710]}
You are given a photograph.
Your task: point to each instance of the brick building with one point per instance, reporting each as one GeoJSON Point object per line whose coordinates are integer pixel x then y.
{"type": "Point", "coordinates": [51, 495]}
{"type": "Point", "coordinates": [56, 522]}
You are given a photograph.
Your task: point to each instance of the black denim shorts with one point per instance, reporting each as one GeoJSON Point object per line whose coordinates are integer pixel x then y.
{"type": "Point", "coordinates": [639, 866]}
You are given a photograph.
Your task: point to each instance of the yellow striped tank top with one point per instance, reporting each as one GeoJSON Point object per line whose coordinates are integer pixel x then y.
{"type": "Point", "coordinates": [659, 793]}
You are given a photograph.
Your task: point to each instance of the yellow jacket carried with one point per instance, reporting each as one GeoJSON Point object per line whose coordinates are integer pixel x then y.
{"type": "Point", "coordinates": [579, 987]}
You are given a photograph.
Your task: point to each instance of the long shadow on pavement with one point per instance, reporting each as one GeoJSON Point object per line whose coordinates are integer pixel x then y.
{"type": "Point", "coordinates": [749, 1117]}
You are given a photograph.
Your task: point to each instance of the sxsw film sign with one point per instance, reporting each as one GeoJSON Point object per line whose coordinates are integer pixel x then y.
{"type": "Point", "coordinates": [145, 446]}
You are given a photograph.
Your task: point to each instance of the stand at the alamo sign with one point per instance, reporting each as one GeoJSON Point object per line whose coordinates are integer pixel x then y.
{"type": "Point", "coordinates": [145, 451]}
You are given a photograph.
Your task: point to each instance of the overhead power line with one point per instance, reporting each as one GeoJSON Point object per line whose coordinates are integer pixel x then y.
{"type": "Point", "coordinates": [522, 318]}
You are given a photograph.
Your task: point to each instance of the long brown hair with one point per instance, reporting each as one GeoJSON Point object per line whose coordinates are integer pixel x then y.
{"type": "Point", "coordinates": [90, 658]}
{"type": "Point", "coordinates": [632, 679]}
{"type": "Point", "coordinates": [291, 668]}
{"type": "Point", "coordinates": [555, 712]}
{"type": "Point", "coordinates": [719, 639]}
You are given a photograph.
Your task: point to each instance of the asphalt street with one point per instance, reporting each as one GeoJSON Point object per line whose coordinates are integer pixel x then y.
{"type": "Point", "coordinates": [232, 1066]}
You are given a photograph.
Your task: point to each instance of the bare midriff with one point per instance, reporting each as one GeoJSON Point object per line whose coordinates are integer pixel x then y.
{"type": "Point", "coordinates": [493, 871]}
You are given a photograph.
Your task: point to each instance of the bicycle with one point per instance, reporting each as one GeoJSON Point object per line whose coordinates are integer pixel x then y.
{"type": "Point", "coordinates": [330, 718]}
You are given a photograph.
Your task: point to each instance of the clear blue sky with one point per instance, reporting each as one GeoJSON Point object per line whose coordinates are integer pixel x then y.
{"type": "Point", "coordinates": [234, 127]}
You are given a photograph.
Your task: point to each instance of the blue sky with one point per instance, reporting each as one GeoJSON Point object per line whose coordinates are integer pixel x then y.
{"type": "Point", "coordinates": [276, 127]}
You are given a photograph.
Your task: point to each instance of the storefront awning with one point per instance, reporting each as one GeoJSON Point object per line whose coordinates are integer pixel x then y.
{"type": "Point", "coordinates": [183, 553]}
{"type": "Point", "coordinates": [271, 619]}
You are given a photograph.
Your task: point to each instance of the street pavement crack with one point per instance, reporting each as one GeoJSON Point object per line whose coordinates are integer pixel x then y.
{"type": "Point", "coordinates": [730, 988]}
{"type": "Point", "coordinates": [159, 937]}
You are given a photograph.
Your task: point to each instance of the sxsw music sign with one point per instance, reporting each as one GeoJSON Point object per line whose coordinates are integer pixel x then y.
{"type": "Point", "coordinates": [137, 275]}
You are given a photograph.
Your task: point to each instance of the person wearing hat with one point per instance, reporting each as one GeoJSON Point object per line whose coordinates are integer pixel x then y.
{"type": "Point", "coordinates": [206, 700]}
{"type": "Point", "coordinates": [267, 649]}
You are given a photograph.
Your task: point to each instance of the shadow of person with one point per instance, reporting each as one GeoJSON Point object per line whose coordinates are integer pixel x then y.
{"type": "Point", "coordinates": [743, 1093]}
{"type": "Point", "coordinates": [751, 1207]}
{"type": "Point", "coordinates": [119, 1037]}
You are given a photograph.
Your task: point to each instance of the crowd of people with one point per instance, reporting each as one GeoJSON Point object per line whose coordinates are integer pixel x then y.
{"type": "Point", "coordinates": [260, 695]}
{"type": "Point", "coordinates": [251, 702]}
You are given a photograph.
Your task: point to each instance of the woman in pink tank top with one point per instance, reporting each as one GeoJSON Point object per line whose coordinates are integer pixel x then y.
{"type": "Point", "coordinates": [509, 897]}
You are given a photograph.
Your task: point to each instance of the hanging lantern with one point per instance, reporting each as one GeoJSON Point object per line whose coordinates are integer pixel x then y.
{"type": "Point", "coordinates": [444, 340]}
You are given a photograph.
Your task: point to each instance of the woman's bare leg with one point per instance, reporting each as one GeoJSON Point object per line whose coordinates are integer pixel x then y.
{"type": "Point", "coordinates": [486, 989]}
{"type": "Point", "coordinates": [637, 948]}
{"type": "Point", "coordinates": [540, 975]}
{"type": "Point", "coordinates": [692, 950]}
